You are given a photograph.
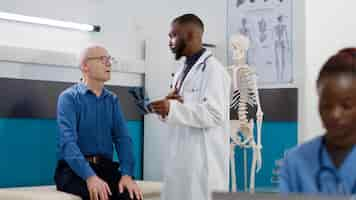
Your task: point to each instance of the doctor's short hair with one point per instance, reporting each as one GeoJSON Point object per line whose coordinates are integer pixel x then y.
{"type": "Point", "coordinates": [189, 19]}
{"type": "Point", "coordinates": [342, 63]}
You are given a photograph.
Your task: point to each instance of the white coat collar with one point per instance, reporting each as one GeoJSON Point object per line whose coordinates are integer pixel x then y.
{"type": "Point", "coordinates": [196, 67]}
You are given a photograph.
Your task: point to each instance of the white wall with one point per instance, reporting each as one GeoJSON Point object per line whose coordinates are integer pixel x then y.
{"type": "Point", "coordinates": [299, 61]}
{"type": "Point", "coordinates": [125, 24]}
{"type": "Point", "coordinates": [113, 16]}
{"type": "Point", "coordinates": [118, 34]}
{"type": "Point", "coordinates": [329, 27]}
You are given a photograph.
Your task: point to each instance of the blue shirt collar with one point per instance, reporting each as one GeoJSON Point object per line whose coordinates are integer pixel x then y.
{"type": "Point", "coordinates": [323, 156]}
{"type": "Point", "coordinates": [349, 164]}
{"type": "Point", "coordinates": [325, 160]}
{"type": "Point", "coordinates": [345, 168]}
{"type": "Point", "coordinates": [83, 89]}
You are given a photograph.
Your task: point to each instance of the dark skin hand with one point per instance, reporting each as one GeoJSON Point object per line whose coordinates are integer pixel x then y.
{"type": "Point", "coordinates": [161, 107]}
{"type": "Point", "coordinates": [175, 96]}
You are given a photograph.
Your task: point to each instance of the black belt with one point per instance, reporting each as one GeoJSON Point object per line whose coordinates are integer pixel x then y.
{"type": "Point", "coordinates": [97, 159]}
{"type": "Point", "coordinates": [92, 160]}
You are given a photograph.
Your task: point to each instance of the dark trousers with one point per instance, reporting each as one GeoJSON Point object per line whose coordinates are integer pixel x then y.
{"type": "Point", "coordinates": [67, 181]}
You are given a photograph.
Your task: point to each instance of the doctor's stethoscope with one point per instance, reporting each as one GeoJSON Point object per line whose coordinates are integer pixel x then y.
{"type": "Point", "coordinates": [324, 169]}
{"type": "Point", "coordinates": [179, 83]}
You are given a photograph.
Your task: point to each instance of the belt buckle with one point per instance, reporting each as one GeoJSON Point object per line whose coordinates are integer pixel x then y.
{"type": "Point", "coordinates": [95, 160]}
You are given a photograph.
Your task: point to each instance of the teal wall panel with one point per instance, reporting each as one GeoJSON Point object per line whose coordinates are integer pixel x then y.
{"type": "Point", "coordinates": [28, 151]}
{"type": "Point", "coordinates": [136, 131]}
{"type": "Point", "coordinates": [276, 138]}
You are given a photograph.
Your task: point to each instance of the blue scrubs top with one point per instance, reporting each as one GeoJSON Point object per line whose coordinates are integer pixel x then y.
{"type": "Point", "coordinates": [308, 169]}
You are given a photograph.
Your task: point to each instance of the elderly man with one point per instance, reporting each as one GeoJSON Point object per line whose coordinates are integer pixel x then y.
{"type": "Point", "coordinates": [90, 121]}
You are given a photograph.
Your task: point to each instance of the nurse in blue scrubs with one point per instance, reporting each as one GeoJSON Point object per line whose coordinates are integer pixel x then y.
{"type": "Point", "coordinates": [327, 164]}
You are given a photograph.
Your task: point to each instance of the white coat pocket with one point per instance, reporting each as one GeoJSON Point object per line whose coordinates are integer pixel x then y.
{"type": "Point", "coordinates": [192, 90]}
{"type": "Point", "coordinates": [191, 94]}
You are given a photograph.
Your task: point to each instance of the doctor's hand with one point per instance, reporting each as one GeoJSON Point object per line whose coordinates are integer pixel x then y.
{"type": "Point", "coordinates": [175, 97]}
{"type": "Point", "coordinates": [131, 186]}
{"type": "Point", "coordinates": [161, 107]}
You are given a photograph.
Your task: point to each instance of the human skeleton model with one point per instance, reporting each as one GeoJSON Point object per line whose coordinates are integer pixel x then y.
{"type": "Point", "coordinates": [245, 93]}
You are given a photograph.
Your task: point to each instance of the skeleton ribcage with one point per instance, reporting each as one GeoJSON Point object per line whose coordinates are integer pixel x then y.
{"type": "Point", "coordinates": [251, 109]}
{"type": "Point", "coordinates": [244, 94]}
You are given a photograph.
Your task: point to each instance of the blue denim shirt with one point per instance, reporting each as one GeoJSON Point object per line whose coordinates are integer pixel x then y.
{"type": "Point", "coordinates": [90, 125]}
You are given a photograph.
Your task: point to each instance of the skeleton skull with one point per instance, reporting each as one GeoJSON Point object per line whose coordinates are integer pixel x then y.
{"type": "Point", "coordinates": [239, 44]}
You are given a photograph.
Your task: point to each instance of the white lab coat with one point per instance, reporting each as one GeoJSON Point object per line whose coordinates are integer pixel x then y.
{"type": "Point", "coordinates": [197, 160]}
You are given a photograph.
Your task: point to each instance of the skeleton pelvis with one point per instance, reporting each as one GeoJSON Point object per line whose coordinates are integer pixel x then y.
{"type": "Point", "coordinates": [244, 127]}
{"type": "Point", "coordinates": [246, 130]}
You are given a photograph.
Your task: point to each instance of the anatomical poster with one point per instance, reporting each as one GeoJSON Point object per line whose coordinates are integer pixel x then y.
{"type": "Point", "coordinates": [269, 26]}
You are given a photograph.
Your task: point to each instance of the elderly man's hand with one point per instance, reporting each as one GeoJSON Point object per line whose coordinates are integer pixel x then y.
{"type": "Point", "coordinates": [98, 189]}
{"type": "Point", "coordinates": [131, 186]}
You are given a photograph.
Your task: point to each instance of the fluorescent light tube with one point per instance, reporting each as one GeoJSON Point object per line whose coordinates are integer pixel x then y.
{"type": "Point", "coordinates": [49, 22]}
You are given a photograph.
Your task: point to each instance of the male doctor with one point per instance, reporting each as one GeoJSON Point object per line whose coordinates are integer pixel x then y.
{"type": "Point", "coordinates": [197, 112]}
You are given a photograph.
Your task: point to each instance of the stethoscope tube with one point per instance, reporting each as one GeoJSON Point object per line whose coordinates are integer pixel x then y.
{"type": "Point", "coordinates": [179, 83]}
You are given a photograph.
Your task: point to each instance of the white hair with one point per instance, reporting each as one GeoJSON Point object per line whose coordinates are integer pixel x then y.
{"type": "Point", "coordinates": [84, 54]}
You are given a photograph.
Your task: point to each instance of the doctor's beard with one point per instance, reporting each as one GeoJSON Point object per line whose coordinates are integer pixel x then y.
{"type": "Point", "coordinates": [178, 50]}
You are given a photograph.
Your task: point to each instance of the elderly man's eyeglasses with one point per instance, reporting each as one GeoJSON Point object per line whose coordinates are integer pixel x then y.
{"type": "Point", "coordinates": [104, 59]}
